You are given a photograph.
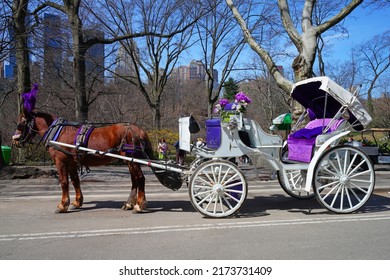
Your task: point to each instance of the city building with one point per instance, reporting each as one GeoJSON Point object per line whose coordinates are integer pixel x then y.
{"type": "Point", "coordinates": [194, 71]}
{"type": "Point", "coordinates": [52, 49]}
{"type": "Point", "coordinates": [94, 59]}
{"type": "Point", "coordinates": [125, 67]}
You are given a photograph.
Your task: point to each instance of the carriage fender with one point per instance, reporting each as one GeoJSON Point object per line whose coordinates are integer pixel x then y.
{"type": "Point", "coordinates": [318, 153]}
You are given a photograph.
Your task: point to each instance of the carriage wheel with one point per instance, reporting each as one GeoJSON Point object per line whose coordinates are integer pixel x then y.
{"type": "Point", "coordinates": [297, 180]}
{"type": "Point", "coordinates": [344, 179]}
{"type": "Point", "coordinates": [217, 188]}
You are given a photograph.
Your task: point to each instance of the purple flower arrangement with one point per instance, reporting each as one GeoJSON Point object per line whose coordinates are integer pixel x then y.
{"type": "Point", "coordinates": [241, 101]}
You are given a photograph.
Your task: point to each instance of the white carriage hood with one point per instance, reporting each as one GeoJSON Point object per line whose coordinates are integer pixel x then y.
{"type": "Point", "coordinates": [311, 93]}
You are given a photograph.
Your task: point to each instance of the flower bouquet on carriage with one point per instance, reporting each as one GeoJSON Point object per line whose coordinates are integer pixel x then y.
{"type": "Point", "coordinates": [228, 109]}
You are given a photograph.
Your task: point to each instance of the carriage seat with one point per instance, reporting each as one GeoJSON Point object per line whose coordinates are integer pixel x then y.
{"type": "Point", "coordinates": [301, 143]}
{"type": "Point", "coordinates": [213, 134]}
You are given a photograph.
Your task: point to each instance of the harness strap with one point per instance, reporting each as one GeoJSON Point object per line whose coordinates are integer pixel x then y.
{"type": "Point", "coordinates": [131, 148]}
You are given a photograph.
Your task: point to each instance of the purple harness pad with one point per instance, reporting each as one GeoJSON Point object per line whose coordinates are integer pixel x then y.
{"type": "Point", "coordinates": [82, 135]}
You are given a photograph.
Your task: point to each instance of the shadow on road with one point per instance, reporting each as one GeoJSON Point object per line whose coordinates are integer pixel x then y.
{"type": "Point", "coordinates": [253, 207]}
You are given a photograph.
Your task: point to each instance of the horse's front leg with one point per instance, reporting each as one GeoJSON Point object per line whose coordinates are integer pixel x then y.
{"type": "Point", "coordinates": [78, 202]}
{"type": "Point", "coordinates": [137, 200]}
{"type": "Point", "coordinates": [63, 206]}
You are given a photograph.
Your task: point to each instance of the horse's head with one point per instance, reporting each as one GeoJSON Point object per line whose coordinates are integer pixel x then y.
{"type": "Point", "coordinates": [25, 130]}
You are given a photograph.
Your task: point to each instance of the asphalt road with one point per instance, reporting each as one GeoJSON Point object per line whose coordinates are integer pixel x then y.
{"type": "Point", "coordinates": [270, 226]}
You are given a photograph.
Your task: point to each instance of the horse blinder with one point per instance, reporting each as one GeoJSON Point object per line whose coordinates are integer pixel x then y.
{"type": "Point", "coordinates": [23, 133]}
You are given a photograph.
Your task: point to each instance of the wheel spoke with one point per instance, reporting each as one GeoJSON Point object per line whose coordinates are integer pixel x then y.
{"type": "Point", "coordinates": [338, 163]}
{"type": "Point", "coordinates": [331, 191]}
{"type": "Point", "coordinates": [347, 190]}
{"type": "Point", "coordinates": [360, 173]}
{"type": "Point", "coordinates": [359, 188]}
{"type": "Point", "coordinates": [349, 171]}
{"type": "Point", "coordinates": [327, 185]}
{"type": "Point", "coordinates": [357, 166]}
{"type": "Point", "coordinates": [208, 176]}
{"type": "Point", "coordinates": [346, 156]}
{"type": "Point", "coordinates": [330, 172]}
{"type": "Point", "coordinates": [335, 196]}
{"type": "Point", "coordinates": [204, 181]}
{"type": "Point", "coordinates": [227, 201]}
{"type": "Point", "coordinates": [355, 194]}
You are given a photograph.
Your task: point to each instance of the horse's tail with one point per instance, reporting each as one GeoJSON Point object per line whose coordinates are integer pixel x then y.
{"type": "Point", "coordinates": [148, 148]}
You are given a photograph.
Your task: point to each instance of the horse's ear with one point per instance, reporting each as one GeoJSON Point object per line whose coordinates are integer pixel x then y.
{"type": "Point", "coordinates": [29, 99]}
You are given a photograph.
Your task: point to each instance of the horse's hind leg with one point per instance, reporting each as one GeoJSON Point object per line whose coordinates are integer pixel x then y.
{"type": "Point", "coordinates": [136, 200]}
{"type": "Point", "coordinates": [78, 202]}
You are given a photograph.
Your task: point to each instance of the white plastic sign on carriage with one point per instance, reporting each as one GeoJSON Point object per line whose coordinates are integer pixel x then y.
{"type": "Point", "coordinates": [184, 134]}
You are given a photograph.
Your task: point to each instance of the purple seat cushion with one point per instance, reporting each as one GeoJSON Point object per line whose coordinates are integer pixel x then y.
{"type": "Point", "coordinates": [301, 143]}
{"type": "Point", "coordinates": [306, 133]}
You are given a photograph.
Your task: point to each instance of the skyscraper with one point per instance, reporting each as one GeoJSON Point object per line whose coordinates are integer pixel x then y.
{"type": "Point", "coordinates": [125, 66]}
{"type": "Point", "coordinates": [94, 60]}
{"type": "Point", "coordinates": [9, 67]}
{"type": "Point", "coordinates": [52, 48]}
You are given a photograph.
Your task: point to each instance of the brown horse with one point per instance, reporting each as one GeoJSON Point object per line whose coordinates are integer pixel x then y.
{"type": "Point", "coordinates": [123, 139]}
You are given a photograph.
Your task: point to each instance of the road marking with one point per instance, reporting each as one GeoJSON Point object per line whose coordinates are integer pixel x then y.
{"type": "Point", "coordinates": [184, 228]}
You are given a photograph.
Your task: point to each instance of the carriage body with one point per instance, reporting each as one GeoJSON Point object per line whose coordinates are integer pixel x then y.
{"type": "Point", "coordinates": [340, 177]}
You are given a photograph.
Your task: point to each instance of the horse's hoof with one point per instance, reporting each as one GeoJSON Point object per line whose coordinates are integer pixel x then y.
{"type": "Point", "coordinates": [127, 206]}
{"type": "Point", "coordinates": [59, 211]}
{"type": "Point", "coordinates": [76, 204]}
{"type": "Point", "coordinates": [144, 205]}
{"type": "Point", "coordinates": [137, 209]}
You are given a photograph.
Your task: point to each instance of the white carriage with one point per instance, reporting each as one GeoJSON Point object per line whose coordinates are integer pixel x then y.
{"type": "Point", "coordinates": [310, 163]}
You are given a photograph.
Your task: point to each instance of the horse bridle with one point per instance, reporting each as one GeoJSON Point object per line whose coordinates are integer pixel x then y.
{"type": "Point", "coordinates": [26, 127]}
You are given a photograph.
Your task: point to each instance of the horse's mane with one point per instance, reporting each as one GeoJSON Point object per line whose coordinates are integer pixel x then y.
{"type": "Point", "coordinates": [49, 118]}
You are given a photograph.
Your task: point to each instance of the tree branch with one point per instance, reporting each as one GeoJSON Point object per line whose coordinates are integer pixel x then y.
{"type": "Point", "coordinates": [284, 83]}
{"type": "Point", "coordinates": [339, 17]}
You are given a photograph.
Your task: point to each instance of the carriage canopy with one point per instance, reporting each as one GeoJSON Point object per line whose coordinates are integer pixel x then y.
{"type": "Point", "coordinates": [325, 98]}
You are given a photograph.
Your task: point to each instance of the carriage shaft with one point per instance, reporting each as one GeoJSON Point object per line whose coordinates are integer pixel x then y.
{"type": "Point", "coordinates": [136, 160]}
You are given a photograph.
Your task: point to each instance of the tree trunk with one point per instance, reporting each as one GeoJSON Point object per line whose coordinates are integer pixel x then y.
{"type": "Point", "coordinates": [79, 50]}
{"type": "Point", "coordinates": [156, 117]}
{"type": "Point", "coordinates": [22, 57]}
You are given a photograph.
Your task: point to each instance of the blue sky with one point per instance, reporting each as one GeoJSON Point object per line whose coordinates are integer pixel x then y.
{"type": "Point", "coordinates": [362, 25]}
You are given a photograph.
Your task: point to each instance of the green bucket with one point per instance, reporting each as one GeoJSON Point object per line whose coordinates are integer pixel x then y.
{"type": "Point", "coordinates": [6, 151]}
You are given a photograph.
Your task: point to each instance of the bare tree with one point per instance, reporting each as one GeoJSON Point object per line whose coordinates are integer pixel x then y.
{"type": "Point", "coordinates": [153, 58]}
{"type": "Point", "coordinates": [377, 4]}
{"type": "Point", "coordinates": [81, 43]}
{"type": "Point", "coordinates": [321, 12]}
{"type": "Point", "coordinates": [345, 73]}
{"type": "Point", "coordinates": [382, 106]}
{"type": "Point", "coordinates": [267, 98]}
{"type": "Point", "coordinates": [306, 43]}
{"type": "Point", "coordinates": [374, 61]}
{"type": "Point", "coordinates": [221, 45]}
